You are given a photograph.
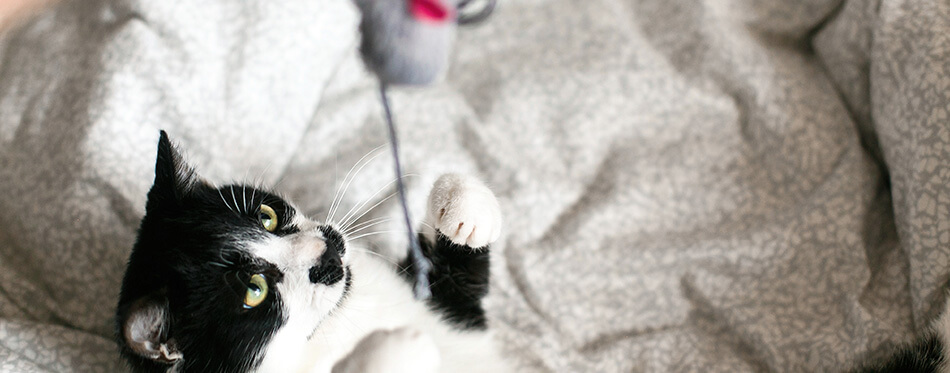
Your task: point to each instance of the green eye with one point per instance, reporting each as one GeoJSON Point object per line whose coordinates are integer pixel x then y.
{"type": "Point", "coordinates": [256, 291]}
{"type": "Point", "coordinates": [268, 218]}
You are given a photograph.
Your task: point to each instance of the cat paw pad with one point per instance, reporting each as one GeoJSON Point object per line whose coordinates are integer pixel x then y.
{"type": "Point", "coordinates": [464, 210]}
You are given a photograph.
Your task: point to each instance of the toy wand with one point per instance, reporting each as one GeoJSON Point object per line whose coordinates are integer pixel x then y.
{"type": "Point", "coordinates": [407, 42]}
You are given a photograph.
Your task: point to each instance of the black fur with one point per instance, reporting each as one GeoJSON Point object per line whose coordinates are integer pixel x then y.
{"type": "Point", "coordinates": [330, 269]}
{"type": "Point", "coordinates": [334, 239]}
{"type": "Point", "coordinates": [185, 260]}
{"type": "Point", "coordinates": [458, 280]}
{"type": "Point", "coordinates": [924, 356]}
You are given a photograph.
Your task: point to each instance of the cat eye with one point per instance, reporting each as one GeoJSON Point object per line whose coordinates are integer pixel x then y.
{"type": "Point", "coordinates": [256, 291]}
{"type": "Point", "coordinates": [268, 218]}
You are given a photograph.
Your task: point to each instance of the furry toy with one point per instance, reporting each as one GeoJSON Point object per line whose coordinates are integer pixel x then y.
{"type": "Point", "coordinates": [407, 42]}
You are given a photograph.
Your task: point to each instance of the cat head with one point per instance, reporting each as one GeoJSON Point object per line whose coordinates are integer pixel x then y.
{"type": "Point", "coordinates": [223, 278]}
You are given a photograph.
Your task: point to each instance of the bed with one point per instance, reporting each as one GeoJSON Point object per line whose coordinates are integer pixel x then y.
{"type": "Point", "coordinates": [687, 185]}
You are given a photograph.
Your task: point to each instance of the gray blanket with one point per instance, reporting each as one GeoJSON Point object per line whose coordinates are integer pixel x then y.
{"type": "Point", "coordinates": [688, 185]}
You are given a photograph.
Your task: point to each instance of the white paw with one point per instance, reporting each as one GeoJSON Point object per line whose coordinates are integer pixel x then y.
{"type": "Point", "coordinates": [393, 351]}
{"type": "Point", "coordinates": [464, 210]}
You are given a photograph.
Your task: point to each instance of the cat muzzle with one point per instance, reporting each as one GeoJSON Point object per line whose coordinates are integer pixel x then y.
{"type": "Point", "coordinates": [329, 269]}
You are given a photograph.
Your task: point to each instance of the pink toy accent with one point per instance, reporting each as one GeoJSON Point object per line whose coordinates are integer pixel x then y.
{"type": "Point", "coordinates": [429, 11]}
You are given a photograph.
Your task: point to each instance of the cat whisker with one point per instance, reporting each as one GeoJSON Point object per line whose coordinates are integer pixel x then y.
{"type": "Point", "coordinates": [259, 184]}
{"type": "Point", "coordinates": [350, 221]}
{"type": "Point", "coordinates": [349, 229]}
{"type": "Point", "coordinates": [253, 193]}
{"type": "Point", "coordinates": [341, 191]}
{"type": "Point", "coordinates": [259, 180]}
{"type": "Point", "coordinates": [367, 226]}
{"type": "Point", "coordinates": [373, 219]}
{"type": "Point", "coordinates": [244, 193]}
{"type": "Point", "coordinates": [350, 226]}
{"type": "Point", "coordinates": [224, 200]}
{"type": "Point", "coordinates": [278, 183]}
{"type": "Point", "coordinates": [347, 219]}
{"type": "Point", "coordinates": [234, 198]}
{"type": "Point", "coordinates": [374, 233]}
{"type": "Point", "coordinates": [371, 252]}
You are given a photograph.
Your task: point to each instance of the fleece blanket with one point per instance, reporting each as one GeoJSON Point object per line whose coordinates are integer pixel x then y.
{"type": "Point", "coordinates": [688, 185]}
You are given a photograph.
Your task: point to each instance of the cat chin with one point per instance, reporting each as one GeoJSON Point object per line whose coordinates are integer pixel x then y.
{"type": "Point", "coordinates": [304, 318]}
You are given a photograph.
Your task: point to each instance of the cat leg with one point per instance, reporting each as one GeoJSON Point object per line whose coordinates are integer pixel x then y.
{"type": "Point", "coordinates": [403, 350]}
{"type": "Point", "coordinates": [462, 219]}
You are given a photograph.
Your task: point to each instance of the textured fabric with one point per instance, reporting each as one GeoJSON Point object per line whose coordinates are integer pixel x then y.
{"type": "Point", "coordinates": [687, 185]}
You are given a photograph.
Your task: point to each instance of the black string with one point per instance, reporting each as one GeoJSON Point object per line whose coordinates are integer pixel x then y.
{"type": "Point", "coordinates": [419, 261]}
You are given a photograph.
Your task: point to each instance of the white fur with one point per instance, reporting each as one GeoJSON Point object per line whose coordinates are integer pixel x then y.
{"type": "Point", "coordinates": [305, 304]}
{"type": "Point", "coordinates": [380, 300]}
{"type": "Point", "coordinates": [464, 210]}
{"type": "Point", "coordinates": [379, 326]}
{"type": "Point", "coordinates": [386, 351]}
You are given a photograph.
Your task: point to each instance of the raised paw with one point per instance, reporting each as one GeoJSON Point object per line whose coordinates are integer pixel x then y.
{"type": "Point", "coordinates": [401, 350]}
{"type": "Point", "coordinates": [464, 210]}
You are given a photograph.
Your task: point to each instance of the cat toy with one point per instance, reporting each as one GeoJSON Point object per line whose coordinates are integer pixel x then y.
{"type": "Point", "coordinates": [407, 42]}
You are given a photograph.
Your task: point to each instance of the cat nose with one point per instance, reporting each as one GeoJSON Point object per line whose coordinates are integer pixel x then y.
{"type": "Point", "coordinates": [333, 239]}
{"type": "Point", "coordinates": [329, 269]}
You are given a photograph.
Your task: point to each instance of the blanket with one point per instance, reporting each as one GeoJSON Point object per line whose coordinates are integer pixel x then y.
{"type": "Point", "coordinates": [687, 185]}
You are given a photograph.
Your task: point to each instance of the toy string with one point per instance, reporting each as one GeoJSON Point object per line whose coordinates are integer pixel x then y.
{"type": "Point", "coordinates": [419, 261]}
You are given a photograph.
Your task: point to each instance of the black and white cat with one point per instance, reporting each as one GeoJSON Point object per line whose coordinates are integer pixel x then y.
{"type": "Point", "coordinates": [235, 279]}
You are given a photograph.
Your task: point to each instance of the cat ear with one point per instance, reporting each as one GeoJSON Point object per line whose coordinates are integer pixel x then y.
{"type": "Point", "coordinates": [174, 178]}
{"type": "Point", "coordinates": [145, 330]}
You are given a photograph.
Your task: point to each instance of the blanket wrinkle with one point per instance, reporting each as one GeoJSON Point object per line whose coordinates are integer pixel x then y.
{"type": "Point", "coordinates": [582, 207]}
{"type": "Point", "coordinates": [708, 320]}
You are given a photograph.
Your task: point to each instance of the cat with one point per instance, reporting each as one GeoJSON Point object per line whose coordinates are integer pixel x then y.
{"type": "Point", "coordinates": [235, 279]}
